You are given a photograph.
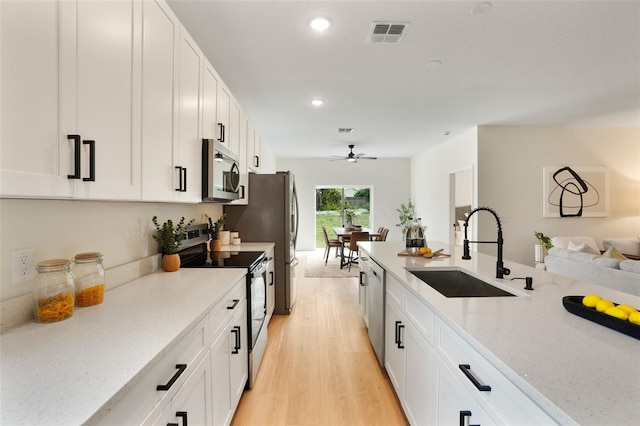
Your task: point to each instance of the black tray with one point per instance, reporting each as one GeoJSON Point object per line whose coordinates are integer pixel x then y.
{"type": "Point", "coordinates": [574, 305]}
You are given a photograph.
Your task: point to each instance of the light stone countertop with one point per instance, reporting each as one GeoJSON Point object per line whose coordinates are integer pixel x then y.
{"type": "Point", "coordinates": [66, 372]}
{"type": "Point", "coordinates": [575, 369]}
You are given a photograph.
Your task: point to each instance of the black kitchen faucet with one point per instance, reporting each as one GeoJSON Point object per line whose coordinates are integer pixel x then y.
{"type": "Point", "coordinates": [500, 269]}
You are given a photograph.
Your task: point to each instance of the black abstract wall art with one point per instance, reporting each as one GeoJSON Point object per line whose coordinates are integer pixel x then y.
{"type": "Point", "coordinates": [575, 191]}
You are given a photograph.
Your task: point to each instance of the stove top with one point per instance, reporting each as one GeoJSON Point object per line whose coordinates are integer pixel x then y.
{"type": "Point", "coordinates": [199, 257]}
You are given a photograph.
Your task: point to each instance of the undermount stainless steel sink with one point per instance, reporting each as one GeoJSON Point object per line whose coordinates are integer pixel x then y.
{"type": "Point", "coordinates": [455, 283]}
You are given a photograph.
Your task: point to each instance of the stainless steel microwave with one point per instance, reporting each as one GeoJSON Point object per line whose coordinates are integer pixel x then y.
{"type": "Point", "coordinates": [220, 173]}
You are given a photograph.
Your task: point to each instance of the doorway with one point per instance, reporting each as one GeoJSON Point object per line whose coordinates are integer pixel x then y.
{"type": "Point", "coordinates": [334, 203]}
{"type": "Point", "coordinates": [461, 200]}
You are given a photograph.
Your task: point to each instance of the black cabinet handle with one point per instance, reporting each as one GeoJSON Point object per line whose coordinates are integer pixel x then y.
{"type": "Point", "coordinates": [173, 424]}
{"type": "Point", "coordinates": [399, 327]}
{"type": "Point", "coordinates": [463, 415]}
{"type": "Point", "coordinates": [271, 280]}
{"type": "Point", "coordinates": [92, 161]}
{"type": "Point", "coordinates": [179, 188]}
{"type": "Point", "coordinates": [242, 192]}
{"type": "Point", "coordinates": [182, 176]}
{"type": "Point", "coordinates": [182, 414]}
{"type": "Point", "coordinates": [257, 161]}
{"type": "Point", "coordinates": [235, 303]}
{"type": "Point", "coordinates": [221, 138]}
{"type": "Point", "coordinates": [181, 368]}
{"type": "Point", "coordinates": [76, 156]}
{"type": "Point", "coordinates": [466, 369]}
{"type": "Point", "coordinates": [237, 346]}
{"type": "Point", "coordinates": [362, 284]}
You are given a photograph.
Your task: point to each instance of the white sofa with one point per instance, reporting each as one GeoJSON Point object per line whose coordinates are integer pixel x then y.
{"type": "Point", "coordinates": [586, 265]}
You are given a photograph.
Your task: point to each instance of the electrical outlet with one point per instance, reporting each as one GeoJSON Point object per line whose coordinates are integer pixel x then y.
{"type": "Point", "coordinates": [22, 266]}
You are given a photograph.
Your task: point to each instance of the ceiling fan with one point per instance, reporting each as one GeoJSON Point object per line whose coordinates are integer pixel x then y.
{"type": "Point", "coordinates": [351, 157]}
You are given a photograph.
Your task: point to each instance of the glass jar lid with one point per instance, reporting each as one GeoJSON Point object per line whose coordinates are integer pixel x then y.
{"type": "Point", "coordinates": [52, 265]}
{"type": "Point", "coordinates": [91, 256]}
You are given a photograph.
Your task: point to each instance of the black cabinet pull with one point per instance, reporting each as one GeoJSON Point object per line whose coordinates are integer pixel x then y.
{"type": "Point", "coordinates": [237, 346]}
{"type": "Point", "coordinates": [181, 368]}
{"type": "Point", "coordinates": [173, 424]}
{"type": "Point", "coordinates": [466, 369]}
{"type": "Point", "coordinates": [182, 176]}
{"type": "Point", "coordinates": [399, 328]}
{"type": "Point", "coordinates": [463, 415]}
{"type": "Point", "coordinates": [271, 280]}
{"type": "Point", "coordinates": [182, 414]}
{"type": "Point", "coordinates": [76, 156]}
{"type": "Point", "coordinates": [362, 284]}
{"type": "Point", "coordinates": [235, 303]}
{"type": "Point", "coordinates": [179, 188]}
{"type": "Point", "coordinates": [242, 192]}
{"type": "Point", "coordinates": [92, 161]}
{"type": "Point", "coordinates": [257, 161]}
{"type": "Point", "coordinates": [221, 127]}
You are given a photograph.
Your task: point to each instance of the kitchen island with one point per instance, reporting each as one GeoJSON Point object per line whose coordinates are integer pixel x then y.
{"type": "Point", "coordinates": [80, 369]}
{"type": "Point", "coordinates": [574, 370]}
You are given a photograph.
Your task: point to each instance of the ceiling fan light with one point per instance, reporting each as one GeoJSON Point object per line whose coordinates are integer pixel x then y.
{"type": "Point", "coordinates": [352, 160]}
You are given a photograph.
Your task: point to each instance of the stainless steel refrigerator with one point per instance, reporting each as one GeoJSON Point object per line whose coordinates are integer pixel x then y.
{"type": "Point", "coordinates": [272, 215]}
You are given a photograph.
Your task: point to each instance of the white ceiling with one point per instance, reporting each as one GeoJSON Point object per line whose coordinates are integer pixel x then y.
{"type": "Point", "coordinates": [521, 63]}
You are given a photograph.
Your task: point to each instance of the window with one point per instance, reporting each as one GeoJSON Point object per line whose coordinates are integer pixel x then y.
{"type": "Point", "coordinates": [335, 202]}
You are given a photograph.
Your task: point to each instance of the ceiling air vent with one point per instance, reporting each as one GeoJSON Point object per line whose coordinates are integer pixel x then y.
{"type": "Point", "coordinates": [387, 32]}
{"type": "Point", "coordinates": [345, 130]}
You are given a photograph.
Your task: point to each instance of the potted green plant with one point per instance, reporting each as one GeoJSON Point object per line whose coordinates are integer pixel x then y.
{"type": "Point", "coordinates": [541, 249]}
{"type": "Point", "coordinates": [170, 236]}
{"type": "Point", "coordinates": [214, 232]}
{"type": "Point", "coordinates": [406, 214]}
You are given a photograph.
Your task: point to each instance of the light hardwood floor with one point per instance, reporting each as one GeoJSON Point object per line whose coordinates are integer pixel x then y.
{"type": "Point", "coordinates": [319, 367]}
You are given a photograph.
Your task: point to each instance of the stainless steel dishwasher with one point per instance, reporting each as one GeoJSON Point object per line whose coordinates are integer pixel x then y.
{"type": "Point", "coordinates": [372, 290]}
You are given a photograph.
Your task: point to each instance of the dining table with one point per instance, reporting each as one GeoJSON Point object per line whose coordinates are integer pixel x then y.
{"type": "Point", "coordinates": [345, 233]}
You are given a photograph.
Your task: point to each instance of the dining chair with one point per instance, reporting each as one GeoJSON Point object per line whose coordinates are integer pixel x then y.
{"type": "Point", "coordinates": [353, 244]}
{"type": "Point", "coordinates": [383, 234]}
{"type": "Point", "coordinates": [328, 244]}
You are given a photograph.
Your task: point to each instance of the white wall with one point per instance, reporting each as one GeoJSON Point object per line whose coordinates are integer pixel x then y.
{"type": "Point", "coordinates": [121, 231]}
{"type": "Point", "coordinates": [510, 162]}
{"type": "Point", "coordinates": [389, 179]}
{"type": "Point", "coordinates": [430, 186]}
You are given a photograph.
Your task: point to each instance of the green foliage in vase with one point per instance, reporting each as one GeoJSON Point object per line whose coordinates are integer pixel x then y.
{"type": "Point", "coordinates": [543, 239]}
{"type": "Point", "coordinates": [215, 228]}
{"type": "Point", "coordinates": [406, 213]}
{"type": "Point", "coordinates": [170, 236]}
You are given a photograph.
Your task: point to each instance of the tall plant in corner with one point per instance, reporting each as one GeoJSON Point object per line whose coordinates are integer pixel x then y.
{"type": "Point", "coordinates": [406, 213]}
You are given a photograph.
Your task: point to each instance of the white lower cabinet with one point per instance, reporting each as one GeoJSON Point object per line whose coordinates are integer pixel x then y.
{"type": "Point", "coordinates": [439, 377]}
{"type": "Point", "coordinates": [229, 366]}
{"type": "Point", "coordinates": [408, 363]}
{"type": "Point", "coordinates": [191, 404]}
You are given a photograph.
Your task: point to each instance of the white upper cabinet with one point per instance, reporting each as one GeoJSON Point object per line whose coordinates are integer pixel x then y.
{"type": "Point", "coordinates": [54, 84]}
{"type": "Point", "coordinates": [210, 102]}
{"type": "Point", "coordinates": [189, 167]}
{"type": "Point", "coordinates": [254, 146]}
{"type": "Point", "coordinates": [100, 95]}
{"type": "Point", "coordinates": [224, 114]}
{"type": "Point", "coordinates": [160, 41]}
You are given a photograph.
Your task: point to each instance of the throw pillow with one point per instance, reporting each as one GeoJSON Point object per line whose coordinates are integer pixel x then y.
{"type": "Point", "coordinates": [614, 254]}
{"type": "Point", "coordinates": [583, 248]}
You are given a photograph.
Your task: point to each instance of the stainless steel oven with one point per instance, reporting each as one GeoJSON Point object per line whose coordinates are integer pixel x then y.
{"type": "Point", "coordinates": [196, 255]}
{"type": "Point", "coordinates": [220, 173]}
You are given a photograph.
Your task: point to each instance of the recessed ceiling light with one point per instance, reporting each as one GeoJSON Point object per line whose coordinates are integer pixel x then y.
{"type": "Point", "coordinates": [481, 8]}
{"type": "Point", "coordinates": [320, 24]}
{"type": "Point", "coordinates": [317, 102]}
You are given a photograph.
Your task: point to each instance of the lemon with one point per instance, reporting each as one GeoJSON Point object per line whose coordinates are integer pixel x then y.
{"type": "Point", "coordinates": [628, 309]}
{"type": "Point", "coordinates": [590, 300]}
{"type": "Point", "coordinates": [617, 312]}
{"type": "Point", "coordinates": [424, 250]}
{"type": "Point", "coordinates": [603, 304]}
{"type": "Point", "coordinates": [634, 318]}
